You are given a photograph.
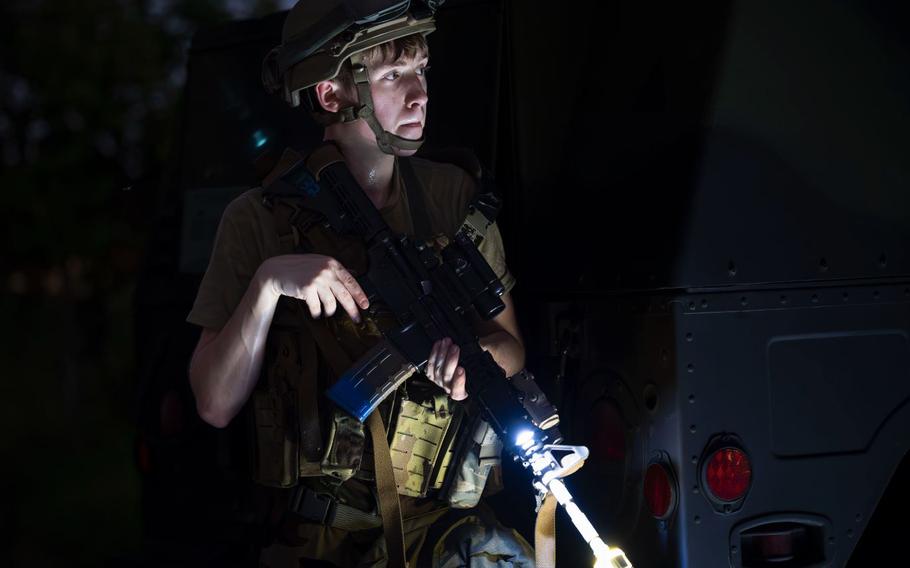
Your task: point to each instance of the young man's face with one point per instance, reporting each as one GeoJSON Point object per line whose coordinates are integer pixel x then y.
{"type": "Point", "coordinates": [399, 91]}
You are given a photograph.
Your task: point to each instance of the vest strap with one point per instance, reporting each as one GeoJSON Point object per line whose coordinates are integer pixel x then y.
{"type": "Point", "coordinates": [315, 507]}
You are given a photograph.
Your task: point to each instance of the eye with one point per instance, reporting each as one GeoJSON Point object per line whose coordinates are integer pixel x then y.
{"type": "Point", "coordinates": [391, 75]}
{"type": "Point", "coordinates": [423, 70]}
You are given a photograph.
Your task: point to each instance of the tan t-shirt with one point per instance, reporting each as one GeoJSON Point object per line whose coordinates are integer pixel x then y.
{"type": "Point", "coordinates": [247, 235]}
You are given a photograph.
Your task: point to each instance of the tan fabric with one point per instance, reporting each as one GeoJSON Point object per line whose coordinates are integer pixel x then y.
{"type": "Point", "coordinates": [545, 533]}
{"type": "Point", "coordinates": [247, 236]}
{"type": "Point", "coordinates": [389, 505]}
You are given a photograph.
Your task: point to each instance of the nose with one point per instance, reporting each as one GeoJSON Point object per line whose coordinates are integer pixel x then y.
{"type": "Point", "coordinates": [416, 95]}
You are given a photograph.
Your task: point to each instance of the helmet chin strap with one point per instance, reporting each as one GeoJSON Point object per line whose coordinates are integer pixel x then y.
{"type": "Point", "coordinates": [386, 141]}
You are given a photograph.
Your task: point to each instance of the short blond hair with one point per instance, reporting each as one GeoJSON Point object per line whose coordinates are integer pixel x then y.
{"type": "Point", "coordinates": [408, 47]}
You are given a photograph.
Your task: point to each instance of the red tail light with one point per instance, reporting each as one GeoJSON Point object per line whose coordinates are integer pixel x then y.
{"type": "Point", "coordinates": [660, 490]}
{"type": "Point", "coordinates": [728, 474]}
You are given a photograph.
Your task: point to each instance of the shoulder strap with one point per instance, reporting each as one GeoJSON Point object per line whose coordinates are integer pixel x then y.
{"type": "Point", "coordinates": [416, 202]}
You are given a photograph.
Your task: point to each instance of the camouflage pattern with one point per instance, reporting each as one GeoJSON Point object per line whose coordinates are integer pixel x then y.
{"type": "Point", "coordinates": [482, 543]}
{"type": "Point", "coordinates": [417, 444]}
{"type": "Point", "coordinates": [346, 442]}
{"type": "Point", "coordinates": [475, 466]}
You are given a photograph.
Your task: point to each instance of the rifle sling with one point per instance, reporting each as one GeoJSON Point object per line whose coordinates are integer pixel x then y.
{"type": "Point", "coordinates": [389, 504]}
{"type": "Point", "coordinates": [545, 534]}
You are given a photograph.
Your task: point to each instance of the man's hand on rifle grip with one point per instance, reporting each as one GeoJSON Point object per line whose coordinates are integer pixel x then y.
{"type": "Point", "coordinates": [443, 368]}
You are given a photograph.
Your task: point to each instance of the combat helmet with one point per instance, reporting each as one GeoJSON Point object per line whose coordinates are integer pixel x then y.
{"type": "Point", "coordinates": [320, 35]}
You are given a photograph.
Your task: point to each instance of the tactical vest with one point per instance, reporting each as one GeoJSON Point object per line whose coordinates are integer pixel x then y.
{"type": "Point", "coordinates": [438, 448]}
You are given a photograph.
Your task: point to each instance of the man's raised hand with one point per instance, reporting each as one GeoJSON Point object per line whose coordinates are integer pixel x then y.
{"type": "Point", "coordinates": [320, 281]}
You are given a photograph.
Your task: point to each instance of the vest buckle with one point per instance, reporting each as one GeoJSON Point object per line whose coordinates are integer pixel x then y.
{"type": "Point", "coordinates": [312, 506]}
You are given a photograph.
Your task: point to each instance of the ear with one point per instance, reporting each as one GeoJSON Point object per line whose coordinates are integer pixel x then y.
{"type": "Point", "coordinates": [330, 96]}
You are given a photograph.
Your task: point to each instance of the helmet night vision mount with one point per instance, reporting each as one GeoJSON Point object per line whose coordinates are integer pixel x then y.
{"type": "Point", "coordinates": [320, 35]}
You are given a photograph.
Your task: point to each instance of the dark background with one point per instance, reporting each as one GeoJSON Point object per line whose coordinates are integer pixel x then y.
{"type": "Point", "coordinates": [637, 145]}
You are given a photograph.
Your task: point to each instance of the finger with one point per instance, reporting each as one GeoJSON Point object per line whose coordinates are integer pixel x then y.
{"type": "Point", "coordinates": [352, 286]}
{"type": "Point", "coordinates": [432, 361]}
{"type": "Point", "coordinates": [328, 301]}
{"type": "Point", "coordinates": [439, 359]}
{"type": "Point", "coordinates": [449, 365]}
{"type": "Point", "coordinates": [347, 302]}
{"type": "Point", "coordinates": [459, 385]}
{"type": "Point", "coordinates": [312, 302]}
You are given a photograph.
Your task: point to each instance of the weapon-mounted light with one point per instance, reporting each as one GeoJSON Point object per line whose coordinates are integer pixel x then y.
{"type": "Point", "coordinates": [524, 439]}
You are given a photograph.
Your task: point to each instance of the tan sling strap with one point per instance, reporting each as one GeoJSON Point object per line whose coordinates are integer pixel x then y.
{"type": "Point", "coordinates": [545, 534]}
{"type": "Point", "coordinates": [389, 505]}
{"type": "Point", "coordinates": [545, 527]}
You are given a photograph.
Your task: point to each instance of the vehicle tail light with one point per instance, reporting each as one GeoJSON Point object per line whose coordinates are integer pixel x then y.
{"type": "Point", "coordinates": [660, 490]}
{"type": "Point", "coordinates": [728, 474]}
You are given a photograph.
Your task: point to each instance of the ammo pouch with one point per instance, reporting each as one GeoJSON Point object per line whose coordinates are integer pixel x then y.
{"type": "Point", "coordinates": [422, 438]}
{"type": "Point", "coordinates": [472, 470]}
{"type": "Point", "coordinates": [440, 447]}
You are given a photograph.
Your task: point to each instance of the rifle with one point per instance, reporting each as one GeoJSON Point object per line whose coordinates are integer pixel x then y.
{"type": "Point", "coordinates": [432, 297]}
